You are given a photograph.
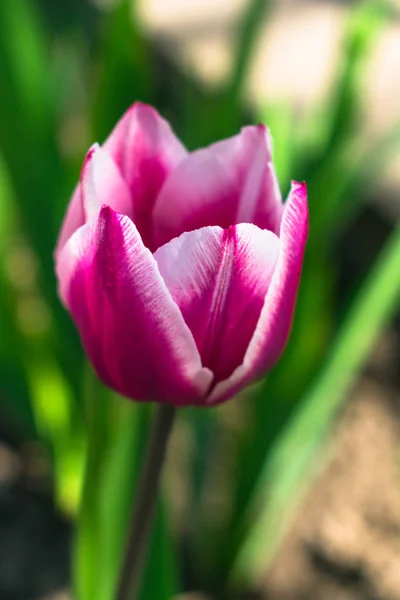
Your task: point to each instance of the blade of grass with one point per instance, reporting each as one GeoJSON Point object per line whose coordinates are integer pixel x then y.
{"type": "Point", "coordinates": [15, 399]}
{"type": "Point", "coordinates": [120, 475]}
{"type": "Point", "coordinates": [39, 395]}
{"type": "Point", "coordinates": [225, 111]}
{"type": "Point", "coordinates": [287, 470]}
{"type": "Point", "coordinates": [344, 108]}
{"type": "Point", "coordinates": [51, 403]}
{"type": "Point", "coordinates": [249, 27]}
{"type": "Point", "coordinates": [162, 560]}
{"type": "Point", "coordinates": [29, 146]}
{"type": "Point", "coordinates": [365, 24]}
{"type": "Point", "coordinates": [342, 183]}
{"type": "Point", "coordinates": [315, 296]}
{"type": "Point", "coordinates": [280, 120]}
{"type": "Point", "coordinates": [125, 58]}
{"type": "Point", "coordinates": [355, 172]}
{"type": "Point", "coordinates": [88, 544]}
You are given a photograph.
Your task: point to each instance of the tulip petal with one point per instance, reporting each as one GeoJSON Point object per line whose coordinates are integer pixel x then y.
{"type": "Point", "coordinates": [73, 219]}
{"type": "Point", "coordinates": [219, 279]}
{"type": "Point", "coordinates": [102, 184]}
{"type": "Point", "coordinates": [146, 150]}
{"type": "Point", "coordinates": [275, 321]}
{"type": "Point", "coordinates": [230, 182]}
{"type": "Point", "coordinates": [130, 327]}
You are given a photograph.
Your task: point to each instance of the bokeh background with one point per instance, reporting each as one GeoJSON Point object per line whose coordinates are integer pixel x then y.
{"type": "Point", "coordinates": [292, 491]}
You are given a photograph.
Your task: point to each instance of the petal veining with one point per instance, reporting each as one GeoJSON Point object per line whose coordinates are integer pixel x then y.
{"type": "Point", "coordinates": [273, 327]}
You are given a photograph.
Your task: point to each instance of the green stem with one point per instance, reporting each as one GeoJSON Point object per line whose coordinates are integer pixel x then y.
{"type": "Point", "coordinates": [144, 508]}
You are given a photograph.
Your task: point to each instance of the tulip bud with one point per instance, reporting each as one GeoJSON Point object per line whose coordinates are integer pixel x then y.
{"type": "Point", "coordinates": [181, 270]}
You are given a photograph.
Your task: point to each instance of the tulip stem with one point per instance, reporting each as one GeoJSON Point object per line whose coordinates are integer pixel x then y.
{"type": "Point", "coordinates": [144, 506]}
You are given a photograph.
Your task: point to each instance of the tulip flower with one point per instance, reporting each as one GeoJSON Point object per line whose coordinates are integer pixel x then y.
{"type": "Point", "coordinates": [181, 269]}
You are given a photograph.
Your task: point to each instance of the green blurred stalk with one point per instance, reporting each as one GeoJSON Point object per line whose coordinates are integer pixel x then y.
{"type": "Point", "coordinates": [51, 401]}
{"type": "Point", "coordinates": [144, 506]}
{"type": "Point", "coordinates": [88, 544]}
{"type": "Point", "coordinates": [120, 476]}
{"type": "Point", "coordinates": [332, 172]}
{"type": "Point", "coordinates": [327, 169]}
{"type": "Point", "coordinates": [28, 141]}
{"type": "Point", "coordinates": [31, 375]}
{"type": "Point", "coordinates": [15, 400]}
{"type": "Point", "coordinates": [355, 172]}
{"type": "Point", "coordinates": [125, 69]}
{"type": "Point", "coordinates": [253, 19]}
{"type": "Point", "coordinates": [287, 470]}
{"type": "Point", "coordinates": [221, 113]}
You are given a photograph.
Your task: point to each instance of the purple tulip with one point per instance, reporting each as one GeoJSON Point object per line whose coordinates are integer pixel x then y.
{"type": "Point", "coordinates": [181, 270]}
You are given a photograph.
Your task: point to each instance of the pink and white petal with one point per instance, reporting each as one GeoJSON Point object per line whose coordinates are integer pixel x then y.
{"type": "Point", "coordinates": [273, 327]}
{"type": "Point", "coordinates": [219, 279]}
{"type": "Point", "coordinates": [131, 328]}
{"type": "Point", "coordinates": [230, 182]}
{"type": "Point", "coordinates": [73, 219]}
{"type": "Point", "coordinates": [146, 150]}
{"type": "Point", "coordinates": [102, 184]}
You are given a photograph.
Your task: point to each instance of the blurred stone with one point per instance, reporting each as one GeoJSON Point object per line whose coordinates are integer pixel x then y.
{"type": "Point", "coordinates": [10, 465]}
{"type": "Point", "coordinates": [297, 55]}
{"type": "Point", "coordinates": [175, 16]}
{"type": "Point", "coordinates": [35, 545]}
{"type": "Point", "coordinates": [192, 596]}
{"type": "Point", "coordinates": [345, 541]}
{"type": "Point", "coordinates": [36, 465]}
{"type": "Point", "coordinates": [62, 595]}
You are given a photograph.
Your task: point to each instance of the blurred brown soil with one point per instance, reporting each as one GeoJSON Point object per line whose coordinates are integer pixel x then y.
{"type": "Point", "coordinates": [344, 543]}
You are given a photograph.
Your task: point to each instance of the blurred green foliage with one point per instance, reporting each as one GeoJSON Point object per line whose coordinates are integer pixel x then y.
{"type": "Point", "coordinates": [66, 75]}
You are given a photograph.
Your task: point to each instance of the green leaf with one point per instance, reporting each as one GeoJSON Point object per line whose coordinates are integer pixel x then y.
{"type": "Point", "coordinates": [15, 398]}
{"type": "Point", "coordinates": [88, 542]}
{"type": "Point", "coordinates": [288, 468]}
{"type": "Point", "coordinates": [280, 120]}
{"type": "Point", "coordinates": [55, 423]}
{"type": "Point", "coordinates": [126, 59]}
{"type": "Point", "coordinates": [121, 471]}
{"type": "Point", "coordinates": [345, 175]}
{"type": "Point", "coordinates": [29, 146]}
{"type": "Point", "coordinates": [332, 161]}
{"type": "Point", "coordinates": [162, 560]}
{"type": "Point", "coordinates": [251, 23]}
{"type": "Point", "coordinates": [355, 171]}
